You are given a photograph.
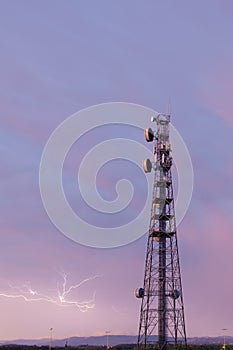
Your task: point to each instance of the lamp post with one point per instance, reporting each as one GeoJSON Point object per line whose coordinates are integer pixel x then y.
{"type": "Point", "coordinates": [107, 333]}
{"type": "Point", "coordinates": [51, 338]}
{"type": "Point", "coordinates": [224, 336]}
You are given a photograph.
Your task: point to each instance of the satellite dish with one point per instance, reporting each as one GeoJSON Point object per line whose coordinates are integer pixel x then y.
{"type": "Point", "coordinates": [147, 165]}
{"type": "Point", "coordinates": [174, 294]}
{"type": "Point", "coordinates": [139, 293]}
{"type": "Point", "coordinates": [152, 119]}
{"type": "Point", "coordinates": [149, 135]}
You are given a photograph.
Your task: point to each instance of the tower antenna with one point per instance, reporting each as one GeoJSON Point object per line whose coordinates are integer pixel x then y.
{"type": "Point", "coordinates": [161, 324]}
{"type": "Point", "coordinates": [169, 106]}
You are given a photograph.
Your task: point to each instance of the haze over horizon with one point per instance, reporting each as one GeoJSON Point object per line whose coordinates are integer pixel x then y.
{"type": "Point", "coordinates": [60, 57]}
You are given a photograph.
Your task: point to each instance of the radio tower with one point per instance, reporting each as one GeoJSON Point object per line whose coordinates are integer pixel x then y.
{"type": "Point", "coordinates": [161, 323]}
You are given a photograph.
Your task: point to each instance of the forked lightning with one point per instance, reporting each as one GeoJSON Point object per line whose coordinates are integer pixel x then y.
{"type": "Point", "coordinates": [27, 293]}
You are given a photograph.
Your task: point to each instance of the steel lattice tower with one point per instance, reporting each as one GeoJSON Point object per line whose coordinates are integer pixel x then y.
{"type": "Point", "coordinates": [162, 324]}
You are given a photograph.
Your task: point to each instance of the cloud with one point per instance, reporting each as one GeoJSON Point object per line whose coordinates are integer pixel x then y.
{"type": "Point", "coordinates": [206, 245]}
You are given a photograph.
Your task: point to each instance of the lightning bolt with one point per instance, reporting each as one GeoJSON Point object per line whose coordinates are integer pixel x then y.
{"type": "Point", "coordinates": [62, 297]}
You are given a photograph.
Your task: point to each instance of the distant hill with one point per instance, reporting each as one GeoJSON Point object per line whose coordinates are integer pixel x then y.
{"type": "Point", "coordinates": [112, 340]}
{"type": "Point", "coordinates": [76, 341]}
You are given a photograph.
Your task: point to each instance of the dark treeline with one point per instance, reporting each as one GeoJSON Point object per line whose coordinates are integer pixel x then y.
{"type": "Point", "coordinates": [117, 347]}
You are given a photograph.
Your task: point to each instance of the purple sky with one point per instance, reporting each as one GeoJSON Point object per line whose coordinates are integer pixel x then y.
{"type": "Point", "coordinates": [59, 57]}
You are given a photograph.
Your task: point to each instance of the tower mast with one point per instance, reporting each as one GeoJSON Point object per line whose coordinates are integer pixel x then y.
{"type": "Point", "coordinates": [162, 324]}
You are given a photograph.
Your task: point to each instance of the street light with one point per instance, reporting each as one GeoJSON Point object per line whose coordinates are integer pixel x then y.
{"type": "Point", "coordinates": [224, 344]}
{"type": "Point", "coordinates": [51, 338]}
{"type": "Point", "coordinates": [107, 333]}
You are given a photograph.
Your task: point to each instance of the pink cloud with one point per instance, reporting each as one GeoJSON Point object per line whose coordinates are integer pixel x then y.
{"type": "Point", "coordinates": [206, 262]}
